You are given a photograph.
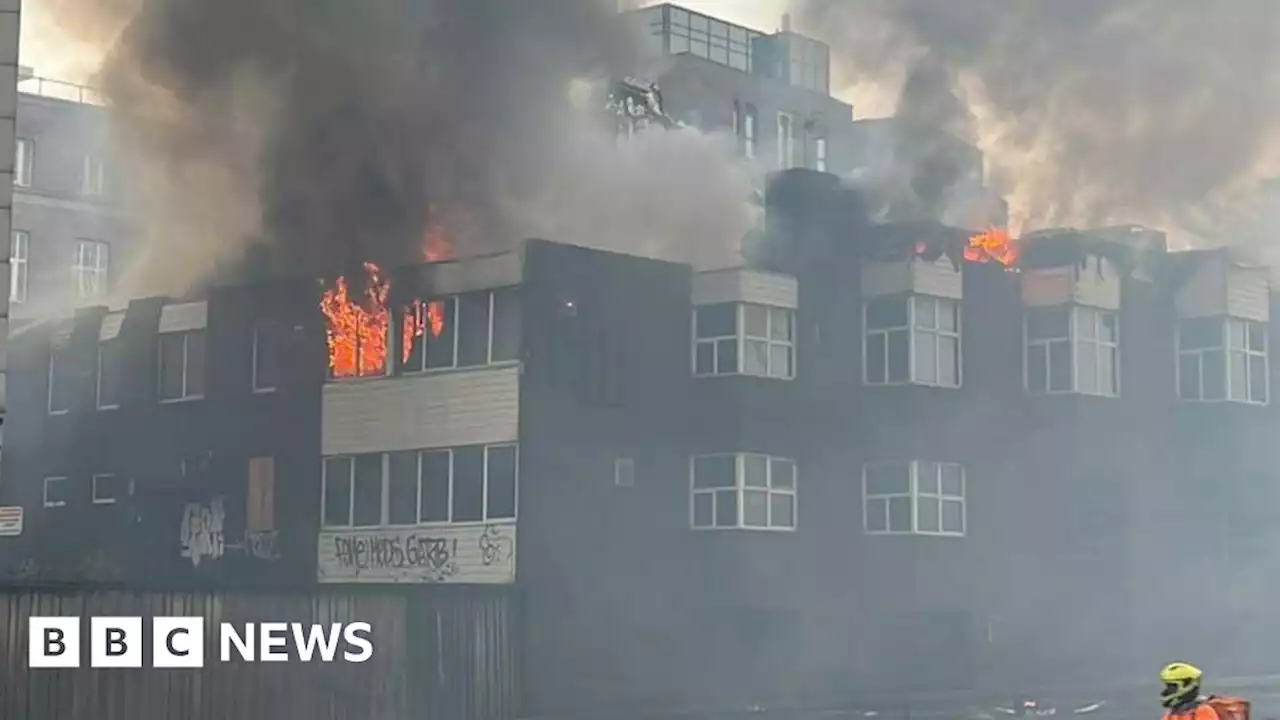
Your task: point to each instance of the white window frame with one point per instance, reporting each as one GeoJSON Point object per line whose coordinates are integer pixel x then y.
{"type": "Point", "coordinates": [624, 472]}
{"type": "Point", "coordinates": [45, 491]}
{"type": "Point", "coordinates": [93, 180]}
{"type": "Point", "coordinates": [91, 268]}
{"type": "Point", "coordinates": [820, 154]}
{"type": "Point", "coordinates": [101, 500]}
{"type": "Point", "coordinates": [24, 161]}
{"type": "Point", "coordinates": [881, 501]}
{"type": "Point", "coordinates": [786, 141]}
{"type": "Point", "coordinates": [1077, 315]}
{"type": "Point", "coordinates": [385, 516]}
{"type": "Point", "coordinates": [742, 338]}
{"type": "Point", "coordinates": [253, 370]}
{"type": "Point", "coordinates": [19, 265]}
{"type": "Point", "coordinates": [740, 490]}
{"type": "Point", "coordinates": [186, 396]}
{"type": "Point", "coordinates": [97, 392]}
{"type": "Point", "coordinates": [53, 374]}
{"type": "Point", "coordinates": [451, 321]}
{"type": "Point", "coordinates": [1227, 348]}
{"type": "Point", "coordinates": [911, 329]}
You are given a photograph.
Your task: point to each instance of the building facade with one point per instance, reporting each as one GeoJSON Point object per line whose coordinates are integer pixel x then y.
{"type": "Point", "coordinates": [10, 22]}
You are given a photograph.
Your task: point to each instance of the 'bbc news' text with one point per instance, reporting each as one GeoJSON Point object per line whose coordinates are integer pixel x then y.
{"type": "Point", "coordinates": [179, 642]}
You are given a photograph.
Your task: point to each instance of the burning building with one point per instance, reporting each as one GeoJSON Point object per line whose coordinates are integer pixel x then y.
{"type": "Point", "coordinates": [873, 448]}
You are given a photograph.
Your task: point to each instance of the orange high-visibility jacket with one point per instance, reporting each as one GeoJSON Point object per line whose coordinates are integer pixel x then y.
{"type": "Point", "coordinates": [1214, 708]}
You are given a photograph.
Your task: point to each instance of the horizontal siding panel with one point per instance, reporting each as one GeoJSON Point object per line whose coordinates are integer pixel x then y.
{"type": "Point", "coordinates": [1204, 294]}
{"type": "Point", "coordinates": [184, 316]}
{"type": "Point", "coordinates": [1048, 286]}
{"type": "Point", "coordinates": [1249, 294]}
{"type": "Point", "coordinates": [888, 278]}
{"type": "Point", "coordinates": [463, 407]}
{"type": "Point", "coordinates": [484, 273]}
{"type": "Point", "coordinates": [751, 286]}
{"type": "Point", "coordinates": [1098, 284]}
{"type": "Point", "coordinates": [939, 278]}
{"type": "Point", "coordinates": [467, 554]}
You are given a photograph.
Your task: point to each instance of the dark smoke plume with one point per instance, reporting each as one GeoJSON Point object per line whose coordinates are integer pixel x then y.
{"type": "Point", "coordinates": [1090, 111]}
{"type": "Point", "coordinates": [333, 131]}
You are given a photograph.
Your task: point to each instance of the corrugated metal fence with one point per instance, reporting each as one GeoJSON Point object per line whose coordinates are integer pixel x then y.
{"type": "Point", "coordinates": [446, 655]}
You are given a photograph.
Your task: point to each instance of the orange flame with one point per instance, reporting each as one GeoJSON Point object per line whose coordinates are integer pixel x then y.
{"type": "Point", "coordinates": [993, 244]}
{"type": "Point", "coordinates": [356, 332]}
{"type": "Point", "coordinates": [436, 243]}
{"type": "Point", "coordinates": [418, 317]}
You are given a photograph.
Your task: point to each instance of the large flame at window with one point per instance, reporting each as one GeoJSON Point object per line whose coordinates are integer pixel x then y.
{"type": "Point", "coordinates": [992, 245]}
{"type": "Point", "coordinates": [418, 318]}
{"type": "Point", "coordinates": [356, 329]}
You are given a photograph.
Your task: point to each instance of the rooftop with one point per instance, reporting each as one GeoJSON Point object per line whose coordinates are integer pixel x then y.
{"type": "Point", "coordinates": [31, 84]}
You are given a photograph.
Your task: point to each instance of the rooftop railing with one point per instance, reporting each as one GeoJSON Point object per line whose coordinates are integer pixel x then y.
{"type": "Point", "coordinates": [60, 90]}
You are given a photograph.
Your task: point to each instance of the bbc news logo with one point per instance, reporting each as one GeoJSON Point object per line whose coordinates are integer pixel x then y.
{"type": "Point", "coordinates": [178, 642]}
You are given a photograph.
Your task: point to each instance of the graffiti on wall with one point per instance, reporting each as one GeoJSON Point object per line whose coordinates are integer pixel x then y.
{"type": "Point", "coordinates": [468, 554]}
{"type": "Point", "coordinates": [203, 535]}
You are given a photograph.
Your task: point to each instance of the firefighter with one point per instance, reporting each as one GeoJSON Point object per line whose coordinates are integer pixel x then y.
{"type": "Point", "coordinates": [1182, 699]}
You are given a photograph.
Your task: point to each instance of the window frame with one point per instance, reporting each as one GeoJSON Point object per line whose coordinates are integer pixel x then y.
{"type": "Point", "coordinates": [820, 153]}
{"type": "Point", "coordinates": [54, 351]}
{"type": "Point", "coordinates": [385, 485]}
{"type": "Point", "coordinates": [19, 265]}
{"type": "Point", "coordinates": [741, 338]}
{"type": "Point", "coordinates": [95, 499]}
{"type": "Point", "coordinates": [45, 491]}
{"type": "Point", "coordinates": [97, 390]}
{"type": "Point", "coordinates": [1075, 343]}
{"type": "Point", "coordinates": [186, 365]}
{"type": "Point", "coordinates": [624, 472]}
{"type": "Point", "coordinates": [97, 271]}
{"type": "Point", "coordinates": [910, 330]}
{"type": "Point", "coordinates": [786, 140]}
{"type": "Point", "coordinates": [913, 495]}
{"type": "Point", "coordinates": [740, 490]}
{"type": "Point", "coordinates": [275, 334]}
{"type": "Point", "coordinates": [1228, 353]}
{"type": "Point", "coordinates": [24, 162]}
{"type": "Point", "coordinates": [93, 177]}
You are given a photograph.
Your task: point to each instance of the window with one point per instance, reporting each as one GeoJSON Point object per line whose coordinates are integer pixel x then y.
{"type": "Point", "coordinates": [1072, 349]}
{"type": "Point", "coordinates": [786, 142]}
{"type": "Point", "coordinates": [744, 128]}
{"type": "Point", "coordinates": [266, 362]}
{"type": "Point", "coordinates": [110, 369]}
{"type": "Point", "coordinates": [916, 497]}
{"type": "Point", "coordinates": [93, 178]}
{"type": "Point", "coordinates": [19, 255]}
{"type": "Point", "coordinates": [744, 339]}
{"type": "Point", "coordinates": [60, 380]}
{"type": "Point", "coordinates": [710, 39]}
{"type": "Point", "coordinates": [1223, 359]}
{"type": "Point", "coordinates": [911, 339]}
{"type": "Point", "coordinates": [57, 492]}
{"type": "Point", "coordinates": [820, 154]}
{"type": "Point", "coordinates": [108, 488]}
{"type": "Point", "coordinates": [624, 472]}
{"type": "Point", "coordinates": [23, 162]}
{"type": "Point", "coordinates": [742, 490]}
{"type": "Point", "coordinates": [418, 487]}
{"type": "Point", "coordinates": [467, 330]}
{"type": "Point", "coordinates": [182, 362]}
{"type": "Point", "coordinates": [90, 269]}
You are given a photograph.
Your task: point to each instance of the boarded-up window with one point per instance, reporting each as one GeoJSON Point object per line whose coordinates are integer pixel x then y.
{"type": "Point", "coordinates": [260, 510]}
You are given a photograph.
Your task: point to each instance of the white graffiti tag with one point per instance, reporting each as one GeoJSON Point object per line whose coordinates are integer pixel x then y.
{"type": "Point", "coordinates": [201, 535]}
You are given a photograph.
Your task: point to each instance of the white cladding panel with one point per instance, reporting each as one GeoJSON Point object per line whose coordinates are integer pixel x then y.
{"type": "Point", "coordinates": [1044, 287]}
{"type": "Point", "coordinates": [750, 286]}
{"type": "Point", "coordinates": [886, 278]}
{"type": "Point", "coordinates": [183, 317]}
{"type": "Point", "coordinates": [1249, 293]}
{"type": "Point", "coordinates": [939, 278]}
{"type": "Point", "coordinates": [458, 554]}
{"type": "Point", "coordinates": [110, 328]}
{"type": "Point", "coordinates": [1204, 293]}
{"type": "Point", "coordinates": [482, 273]}
{"type": "Point", "coordinates": [1098, 283]}
{"type": "Point", "coordinates": [443, 409]}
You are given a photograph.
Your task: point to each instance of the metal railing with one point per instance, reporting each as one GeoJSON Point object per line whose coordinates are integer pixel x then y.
{"type": "Point", "coordinates": [60, 90]}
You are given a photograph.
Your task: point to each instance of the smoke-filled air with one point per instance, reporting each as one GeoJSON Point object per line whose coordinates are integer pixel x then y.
{"type": "Point", "coordinates": [1162, 112]}
{"type": "Point", "coordinates": [336, 132]}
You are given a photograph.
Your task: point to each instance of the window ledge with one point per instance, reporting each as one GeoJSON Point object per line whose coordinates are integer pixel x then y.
{"type": "Point", "coordinates": [264, 390]}
{"type": "Point", "coordinates": [104, 501]}
{"type": "Point", "coordinates": [505, 364]}
{"type": "Point", "coordinates": [108, 407]}
{"type": "Point", "coordinates": [703, 376]}
{"type": "Point", "coordinates": [1250, 403]}
{"type": "Point", "coordinates": [912, 383]}
{"type": "Point", "coordinates": [187, 399]}
{"type": "Point", "coordinates": [915, 533]}
{"type": "Point", "coordinates": [59, 412]}
{"type": "Point", "coordinates": [419, 526]}
{"type": "Point", "coordinates": [744, 528]}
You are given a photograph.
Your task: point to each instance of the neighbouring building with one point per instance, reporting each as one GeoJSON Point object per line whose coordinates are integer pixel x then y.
{"type": "Point", "coordinates": [10, 21]}
{"type": "Point", "coordinates": [872, 462]}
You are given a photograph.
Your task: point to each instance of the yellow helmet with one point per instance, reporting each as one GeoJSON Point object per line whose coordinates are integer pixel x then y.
{"type": "Point", "coordinates": [1181, 683]}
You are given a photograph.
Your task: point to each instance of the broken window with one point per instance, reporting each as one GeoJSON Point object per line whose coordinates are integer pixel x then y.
{"type": "Point", "coordinates": [182, 365]}
{"type": "Point", "coordinates": [110, 373]}
{"type": "Point", "coordinates": [1072, 349]}
{"type": "Point", "coordinates": [911, 339]}
{"type": "Point", "coordinates": [267, 337]}
{"type": "Point", "coordinates": [744, 338]}
{"type": "Point", "coordinates": [467, 330]}
{"type": "Point", "coordinates": [1223, 359]}
{"type": "Point", "coordinates": [429, 335]}
{"type": "Point", "coordinates": [913, 497]}
{"type": "Point", "coordinates": [743, 490]}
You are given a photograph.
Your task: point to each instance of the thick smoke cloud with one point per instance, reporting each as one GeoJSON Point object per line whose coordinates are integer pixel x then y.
{"type": "Point", "coordinates": [1091, 111]}
{"type": "Point", "coordinates": [336, 132]}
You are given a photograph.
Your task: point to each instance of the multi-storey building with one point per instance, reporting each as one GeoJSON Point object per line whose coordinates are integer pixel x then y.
{"type": "Point", "coordinates": [10, 13]}
{"type": "Point", "coordinates": [873, 449]}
